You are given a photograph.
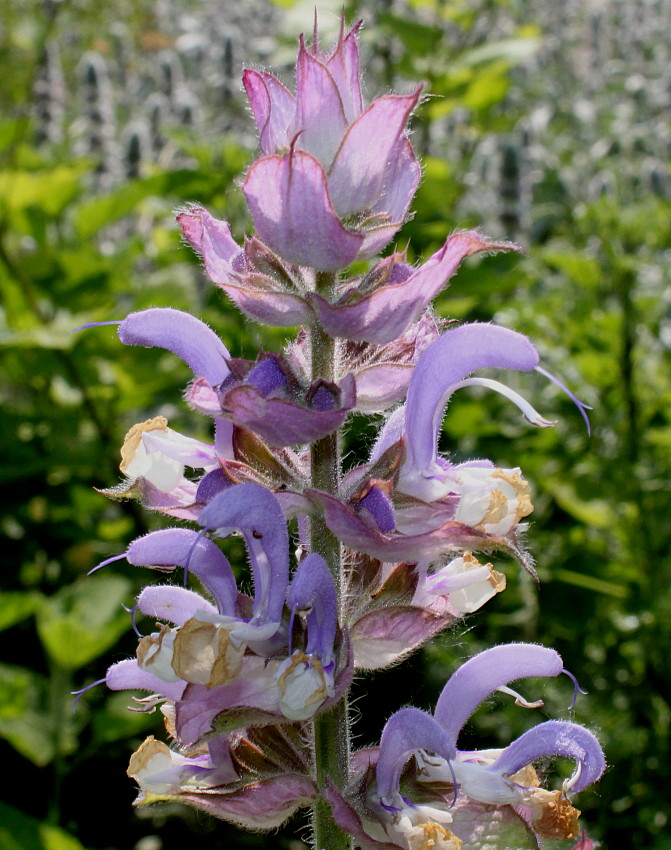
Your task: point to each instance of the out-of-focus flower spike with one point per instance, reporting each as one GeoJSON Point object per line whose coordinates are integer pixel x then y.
{"type": "Point", "coordinates": [483, 674]}
{"type": "Point", "coordinates": [582, 407]}
{"type": "Point", "coordinates": [555, 738]}
{"type": "Point", "coordinates": [408, 730]}
{"type": "Point", "coordinates": [255, 512]}
{"type": "Point", "coordinates": [187, 337]}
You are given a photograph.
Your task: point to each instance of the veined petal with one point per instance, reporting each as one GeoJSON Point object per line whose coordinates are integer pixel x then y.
{"type": "Point", "coordinates": [273, 107]}
{"type": "Point", "coordinates": [293, 214]}
{"type": "Point", "coordinates": [263, 804]}
{"type": "Point", "coordinates": [384, 314]}
{"type": "Point", "coordinates": [187, 337]}
{"type": "Point", "coordinates": [401, 180]}
{"type": "Point", "coordinates": [172, 547]}
{"type": "Point", "coordinates": [343, 65]}
{"type": "Point", "coordinates": [211, 238]}
{"type": "Point", "coordinates": [320, 116]}
{"type": "Point", "coordinates": [406, 731]}
{"type": "Point", "coordinates": [284, 423]}
{"type": "Point", "coordinates": [254, 511]}
{"type": "Point", "coordinates": [312, 590]}
{"type": "Point", "coordinates": [555, 738]}
{"type": "Point", "coordinates": [444, 363]}
{"type": "Point", "coordinates": [356, 178]}
{"type": "Point", "coordinates": [479, 677]}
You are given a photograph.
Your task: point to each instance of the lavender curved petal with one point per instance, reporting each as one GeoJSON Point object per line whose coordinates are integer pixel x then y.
{"type": "Point", "coordinates": [475, 680]}
{"type": "Point", "coordinates": [173, 547]}
{"type": "Point", "coordinates": [555, 738]}
{"type": "Point", "coordinates": [444, 363]}
{"type": "Point", "coordinates": [256, 513]}
{"type": "Point", "coordinates": [312, 588]}
{"type": "Point", "coordinates": [293, 214]}
{"type": "Point", "coordinates": [187, 337]}
{"type": "Point", "coordinates": [127, 676]}
{"type": "Point", "coordinates": [171, 603]}
{"type": "Point", "coordinates": [406, 731]}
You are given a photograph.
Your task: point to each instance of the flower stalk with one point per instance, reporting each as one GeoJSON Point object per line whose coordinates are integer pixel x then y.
{"type": "Point", "coordinates": [255, 688]}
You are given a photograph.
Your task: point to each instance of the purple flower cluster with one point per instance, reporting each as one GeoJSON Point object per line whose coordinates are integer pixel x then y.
{"type": "Point", "coordinates": [239, 678]}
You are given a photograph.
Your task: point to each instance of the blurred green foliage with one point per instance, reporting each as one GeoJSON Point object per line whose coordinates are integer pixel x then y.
{"type": "Point", "coordinates": [81, 243]}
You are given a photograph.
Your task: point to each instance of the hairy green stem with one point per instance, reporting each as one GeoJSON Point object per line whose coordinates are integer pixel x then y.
{"type": "Point", "coordinates": [330, 731]}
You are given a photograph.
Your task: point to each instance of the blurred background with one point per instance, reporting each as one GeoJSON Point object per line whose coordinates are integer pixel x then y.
{"type": "Point", "coordinates": [550, 127]}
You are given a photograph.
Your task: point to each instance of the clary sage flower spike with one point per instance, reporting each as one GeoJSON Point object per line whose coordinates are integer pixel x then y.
{"type": "Point", "coordinates": [348, 571]}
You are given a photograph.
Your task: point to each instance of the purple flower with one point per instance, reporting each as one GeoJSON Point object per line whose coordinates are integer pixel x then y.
{"type": "Point", "coordinates": [409, 504]}
{"type": "Point", "coordinates": [265, 397]}
{"type": "Point", "coordinates": [501, 778]}
{"type": "Point", "coordinates": [237, 655]}
{"type": "Point", "coordinates": [336, 179]}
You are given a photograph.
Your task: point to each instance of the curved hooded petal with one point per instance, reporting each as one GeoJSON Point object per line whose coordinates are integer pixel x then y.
{"type": "Point", "coordinates": [273, 107]}
{"type": "Point", "coordinates": [128, 676]}
{"type": "Point", "coordinates": [555, 738]}
{"type": "Point", "coordinates": [173, 547]}
{"type": "Point", "coordinates": [483, 674]}
{"type": "Point", "coordinates": [255, 512]}
{"type": "Point", "coordinates": [444, 363]}
{"type": "Point", "coordinates": [171, 603]}
{"type": "Point", "coordinates": [357, 176]}
{"type": "Point", "coordinates": [293, 214]}
{"type": "Point", "coordinates": [382, 315]}
{"type": "Point", "coordinates": [349, 820]}
{"type": "Point", "coordinates": [187, 337]}
{"type": "Point", "coordinates": [406, 731]}
{"type": "Point", "coordinates": [312, 590]}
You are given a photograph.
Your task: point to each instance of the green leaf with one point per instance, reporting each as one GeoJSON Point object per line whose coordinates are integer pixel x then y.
{"type": "Point", "coordinates": [419, 37]}
{"type": "Point", "coordinates": [95, 214]}
{"type": "Point", "coordinates": [16, 606]}
{"type": "Point", "coordinates": [18, 831]}
{"type": "Point", "coordinates": [21, 723]}
{"type": "Point", "coordinates": [51, 191]}
{"type": "Point", "coordinates": [82, 621]}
